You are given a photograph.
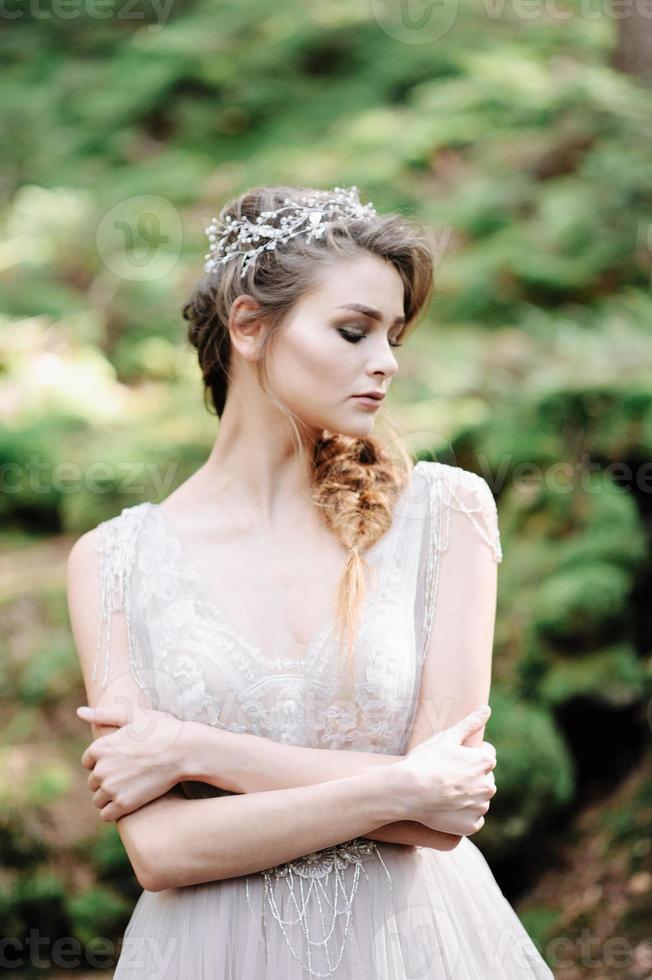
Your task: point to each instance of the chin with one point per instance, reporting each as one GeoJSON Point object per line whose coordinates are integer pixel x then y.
{"type": "Point", "coordinates": [353, 427]}
{"type": "Point", "coordinates": [344, 425]}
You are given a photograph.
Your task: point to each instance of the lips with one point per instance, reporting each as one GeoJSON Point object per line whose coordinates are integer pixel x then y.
{"type": "Point", "coordinates": [371, 402]}
{"type": "Point", "coordinates": [378, 395]}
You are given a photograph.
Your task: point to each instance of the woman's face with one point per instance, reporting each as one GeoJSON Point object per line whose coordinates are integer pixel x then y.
{"type": "Point", "coordinates": [327, 352]}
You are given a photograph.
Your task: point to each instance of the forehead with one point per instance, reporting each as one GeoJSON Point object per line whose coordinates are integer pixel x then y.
{"type": "Point", "coordinates": [366, 279]}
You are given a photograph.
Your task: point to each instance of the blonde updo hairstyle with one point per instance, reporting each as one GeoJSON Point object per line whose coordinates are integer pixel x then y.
{"type": "Point", "coordinates": [355, 481]}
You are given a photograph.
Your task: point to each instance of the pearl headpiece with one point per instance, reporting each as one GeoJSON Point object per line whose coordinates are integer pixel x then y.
{"type": "Point", "coordinates": [308, 217]}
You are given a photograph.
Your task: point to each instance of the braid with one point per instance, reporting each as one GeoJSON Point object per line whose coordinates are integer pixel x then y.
{"type": "Point", "coordinates": [355, 486]}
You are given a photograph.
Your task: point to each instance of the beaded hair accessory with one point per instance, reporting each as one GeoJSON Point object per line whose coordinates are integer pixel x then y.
{"type": "Point", "coordinates": [309, 217]}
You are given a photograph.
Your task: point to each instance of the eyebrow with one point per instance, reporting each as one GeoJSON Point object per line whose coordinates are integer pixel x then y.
{"type": "Point", "coordinates": [369, 311]}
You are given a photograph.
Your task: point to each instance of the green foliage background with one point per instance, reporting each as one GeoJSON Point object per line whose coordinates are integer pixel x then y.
{"type": "Point", "coordinates": [511, 136]}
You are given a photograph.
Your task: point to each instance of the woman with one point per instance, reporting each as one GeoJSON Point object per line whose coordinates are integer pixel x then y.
{"type": "Point", "coordinates": [292, 643]}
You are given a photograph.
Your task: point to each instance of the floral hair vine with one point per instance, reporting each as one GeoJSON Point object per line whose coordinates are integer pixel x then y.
{"type": "Point", "coordinates": [309, 217]}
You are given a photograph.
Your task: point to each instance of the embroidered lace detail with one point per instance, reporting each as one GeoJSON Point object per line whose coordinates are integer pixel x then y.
{"type": "Point", "coordinates": [198, 656]}
{"type": "Point", "coordinates": [453, 488]}
{"type": "Point", "coordinates": [201, 669]}
{"type": "Point", "coordinates": [311, 870]}
{"type": "Point", "coordinates": [317, 864]}
{"type": "Point", "coordinates": [162, 566]}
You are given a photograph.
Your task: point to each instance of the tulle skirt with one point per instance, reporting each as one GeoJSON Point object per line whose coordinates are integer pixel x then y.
{"type": "Point", "coordinates": [364, 910]}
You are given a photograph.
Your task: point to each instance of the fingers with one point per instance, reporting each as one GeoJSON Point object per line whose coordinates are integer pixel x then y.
{"type": "Point", "coordinates": [101, 798]}
{"type": "Point", "coordinates": [472, 722]}
{"type": "Point", "coordinates": [91, 753]}
{"type": "Point", "coordinates": [491, 788]}
{"type": "Point", "coordinates": [114, 715]}
{"type": "Point", "coordinates": [486, 755]}
{"type": "Point", "coordinates": [110, 812]}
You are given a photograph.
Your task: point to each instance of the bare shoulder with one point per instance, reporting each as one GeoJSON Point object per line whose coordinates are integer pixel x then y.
{"type": "Point", "coordinates": [82, 589]}
{"type": "Point", "coordinates": [82, 570]}
{"type": "Point", "coordinates": [83, 556]}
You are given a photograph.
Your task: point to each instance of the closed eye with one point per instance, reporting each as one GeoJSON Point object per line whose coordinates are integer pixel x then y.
{"type": "Point", "coordinates": [354, 338]}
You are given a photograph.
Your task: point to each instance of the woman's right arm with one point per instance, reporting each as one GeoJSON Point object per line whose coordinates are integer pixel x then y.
{"type": "Point", "coordinates": [240, 833]}
{"type": "Point", "coordinates": [262, 829]}
{"type": "Point", "coordinates": [187, 842]}
{"type": "Point", "coordinates": [194, 841]}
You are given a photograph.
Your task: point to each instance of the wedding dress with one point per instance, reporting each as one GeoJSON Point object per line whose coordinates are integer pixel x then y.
{"type": "Point", "coordinates": [360, 909]}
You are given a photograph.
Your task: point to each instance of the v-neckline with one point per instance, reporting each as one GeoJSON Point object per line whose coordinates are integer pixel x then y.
{"type": "Point", "coordinates": [373, 556]}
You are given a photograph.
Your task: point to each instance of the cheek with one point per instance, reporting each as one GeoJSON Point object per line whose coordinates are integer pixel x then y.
{"type": "Point", "coordinates": [307, 365]}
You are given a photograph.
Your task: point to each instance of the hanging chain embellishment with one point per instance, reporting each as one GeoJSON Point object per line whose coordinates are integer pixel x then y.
{"type": "Point", "coordinates": [444, 497]}
{"type": "Point", "coordinates": [315, 869]}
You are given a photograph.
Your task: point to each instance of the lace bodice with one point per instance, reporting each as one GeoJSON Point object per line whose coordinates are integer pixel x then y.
{"type": "Point", "coordinates": [190, 661]}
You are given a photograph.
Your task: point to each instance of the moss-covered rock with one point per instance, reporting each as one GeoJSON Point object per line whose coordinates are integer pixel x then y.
{"type": "Point", "coordinates": [579, 607]}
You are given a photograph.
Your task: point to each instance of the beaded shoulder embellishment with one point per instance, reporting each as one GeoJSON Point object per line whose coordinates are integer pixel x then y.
{"type": "Point", "coordinates": [453, 488]}
{"type": "Point", "coordinates": [116, 543]}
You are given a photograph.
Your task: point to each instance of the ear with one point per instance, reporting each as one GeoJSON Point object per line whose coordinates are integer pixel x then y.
{"type": "Point", "coordinates": [246, 329]}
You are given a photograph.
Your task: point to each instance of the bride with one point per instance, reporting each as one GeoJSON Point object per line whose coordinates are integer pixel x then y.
{"type": "Point", "coordinates": [286, 660]}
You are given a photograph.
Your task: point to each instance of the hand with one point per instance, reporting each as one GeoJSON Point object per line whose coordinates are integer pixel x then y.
{"type": "Point", "coordinates": [450, 784]}
{"type": "Point", "coordinates": [137, 763]}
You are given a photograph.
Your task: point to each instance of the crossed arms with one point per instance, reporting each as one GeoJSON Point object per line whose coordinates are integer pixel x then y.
{"type": "Point", "coordinates": [290, 800]}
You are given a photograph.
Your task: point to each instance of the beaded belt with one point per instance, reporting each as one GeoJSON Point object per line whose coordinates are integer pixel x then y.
{"type": "Point", "coordinates": [310, 870]}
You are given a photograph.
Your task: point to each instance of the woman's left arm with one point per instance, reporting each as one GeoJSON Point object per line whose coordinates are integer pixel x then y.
{"type": "Point", "coordinates": [451, 685]}
{"type": "Point", "coordinates": [158, 747]}
{"type": "Point", "coordinates": [457, 665]}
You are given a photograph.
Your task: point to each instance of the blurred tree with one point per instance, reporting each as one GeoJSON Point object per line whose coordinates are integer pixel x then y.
{"type": "Point", "coordinates": [633, 51]}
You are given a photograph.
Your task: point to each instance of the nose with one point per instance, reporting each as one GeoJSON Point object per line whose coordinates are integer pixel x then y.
{"type": "Point", "coordinates": [384, 362]}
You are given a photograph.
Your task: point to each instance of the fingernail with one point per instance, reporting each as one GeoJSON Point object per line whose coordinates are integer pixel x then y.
{"type": "Point", "coordinates": [484, 710]}
{"type": "Point", "coordinates": [84, 711]}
